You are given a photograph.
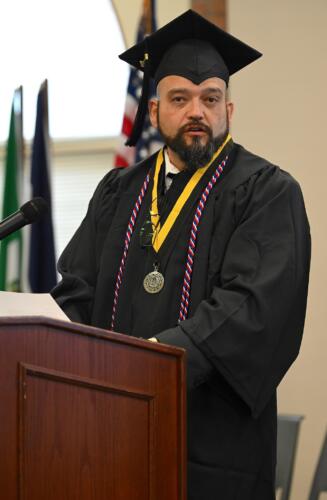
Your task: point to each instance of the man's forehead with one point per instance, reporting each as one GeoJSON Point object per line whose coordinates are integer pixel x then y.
{"type": "Point", "coordinates": [175, 83]}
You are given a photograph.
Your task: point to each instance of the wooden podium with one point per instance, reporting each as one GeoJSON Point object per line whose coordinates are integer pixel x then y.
{"type": "Point", "coordinates": [87, 414]}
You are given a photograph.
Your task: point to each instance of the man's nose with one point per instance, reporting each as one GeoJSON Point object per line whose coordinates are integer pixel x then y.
{"type": "Point", "coordinates": [195, 109]}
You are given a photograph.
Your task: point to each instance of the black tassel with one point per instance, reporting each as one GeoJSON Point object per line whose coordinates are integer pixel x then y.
{"type": "Point", "coordinates": [143, 105]}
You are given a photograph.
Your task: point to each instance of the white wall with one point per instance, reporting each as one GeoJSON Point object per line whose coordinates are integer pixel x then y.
{"type": "Point", "coordinates": [281, 114]}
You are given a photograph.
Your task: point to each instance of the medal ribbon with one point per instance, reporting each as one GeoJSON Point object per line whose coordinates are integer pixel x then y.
{"type": "Point", "coordinates": [160, 233]}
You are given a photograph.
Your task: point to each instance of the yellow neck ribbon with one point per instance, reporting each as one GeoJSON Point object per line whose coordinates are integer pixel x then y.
{"type": "Point", "coordinates": [160, 233]}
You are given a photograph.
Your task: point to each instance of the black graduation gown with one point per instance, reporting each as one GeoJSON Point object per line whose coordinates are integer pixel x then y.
{"type": "Point", "coordinates": [246, 315]}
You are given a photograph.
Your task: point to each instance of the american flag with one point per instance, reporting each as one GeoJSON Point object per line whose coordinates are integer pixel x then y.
{"type": "Point", "coordinates": [150, 140]}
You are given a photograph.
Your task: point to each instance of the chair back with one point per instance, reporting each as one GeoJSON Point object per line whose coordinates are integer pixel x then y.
{"type": "Point", "coordinates": [319, 482]}
{"type": "Point", "coordinates": [288, 427]}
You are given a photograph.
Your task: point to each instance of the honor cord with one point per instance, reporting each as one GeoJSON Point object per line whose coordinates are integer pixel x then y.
{"type": "Point", "coordinates": [192, 242]}
{"type": "Point", "coordinates": [129, 232]}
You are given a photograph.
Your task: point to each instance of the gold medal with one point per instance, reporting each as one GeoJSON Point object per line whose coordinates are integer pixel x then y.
{"type": "Point", "coordinates": [154, 281]}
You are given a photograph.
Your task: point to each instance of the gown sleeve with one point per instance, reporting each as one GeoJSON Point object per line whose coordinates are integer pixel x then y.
{"type": "Point", "coordinates": [249, 331]}
{"type": "Point", "coordinates": [78, 262]}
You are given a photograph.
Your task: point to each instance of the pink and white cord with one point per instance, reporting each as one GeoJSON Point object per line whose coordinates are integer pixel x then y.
{"type": "Point", "coordinates": [186, 291]}
{"type": "Point", "coordinates": [129, 232]}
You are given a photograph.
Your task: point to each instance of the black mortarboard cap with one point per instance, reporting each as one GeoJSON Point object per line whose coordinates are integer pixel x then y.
{"type": "Point", "coordinates": [189, 46]}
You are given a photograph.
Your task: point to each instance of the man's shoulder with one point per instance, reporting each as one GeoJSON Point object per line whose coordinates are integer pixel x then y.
{"type": "Point", "coordinates": [122, 179]}
{"type": "Point", "coordinates": [127, 174]}
{"type": "Point", "coordinates": [247, 165]}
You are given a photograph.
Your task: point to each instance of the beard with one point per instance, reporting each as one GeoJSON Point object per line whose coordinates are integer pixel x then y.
{"type": "Point", "coordinates": [196, 154]}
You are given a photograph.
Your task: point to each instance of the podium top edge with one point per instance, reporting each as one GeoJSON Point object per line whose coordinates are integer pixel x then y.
{"type": "Point", "coordinates": [91, 331]}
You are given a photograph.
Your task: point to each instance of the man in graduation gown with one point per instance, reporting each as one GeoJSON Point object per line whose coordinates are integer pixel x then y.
{"type": "Point", "coordinates": [215, 261]}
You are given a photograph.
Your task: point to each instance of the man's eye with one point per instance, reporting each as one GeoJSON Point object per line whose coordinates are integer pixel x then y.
{"type": "Point", "coordinates": [178, 99]}
{"type": "Point", "coordinates": [212, 99]}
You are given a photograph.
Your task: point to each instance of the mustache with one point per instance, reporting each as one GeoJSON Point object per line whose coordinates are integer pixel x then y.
{"type": "Point", "coordinates": [195, 124]}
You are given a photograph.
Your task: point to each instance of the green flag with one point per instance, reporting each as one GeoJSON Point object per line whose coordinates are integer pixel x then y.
{"type": "Point", "coordinates": [11, 246]}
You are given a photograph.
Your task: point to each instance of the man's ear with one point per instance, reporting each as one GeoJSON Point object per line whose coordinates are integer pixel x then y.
{"type": "Point", "coordinates": [153, 112]}
{"type": "Point", "coordinates": [230, 111]}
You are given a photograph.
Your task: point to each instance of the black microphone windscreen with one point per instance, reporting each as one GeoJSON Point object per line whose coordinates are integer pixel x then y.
{"type": "Point", "coordinates": [34, 209]}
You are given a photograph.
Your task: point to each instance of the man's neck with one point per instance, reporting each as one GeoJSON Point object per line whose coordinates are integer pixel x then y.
{"type": "Point", "coordinates": [175, 159]}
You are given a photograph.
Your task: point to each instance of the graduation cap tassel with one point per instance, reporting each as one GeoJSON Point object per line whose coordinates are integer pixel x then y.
{"type": "Point", "coordinates": [143, 104]}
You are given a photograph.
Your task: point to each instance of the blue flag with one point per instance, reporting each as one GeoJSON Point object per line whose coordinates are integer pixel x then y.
{"type": "Point", "coordinates": [42, 262]}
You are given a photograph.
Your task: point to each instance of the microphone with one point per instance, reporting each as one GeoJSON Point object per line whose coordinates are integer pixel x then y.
{"type": "Point", "coordinates": [28, 213]}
